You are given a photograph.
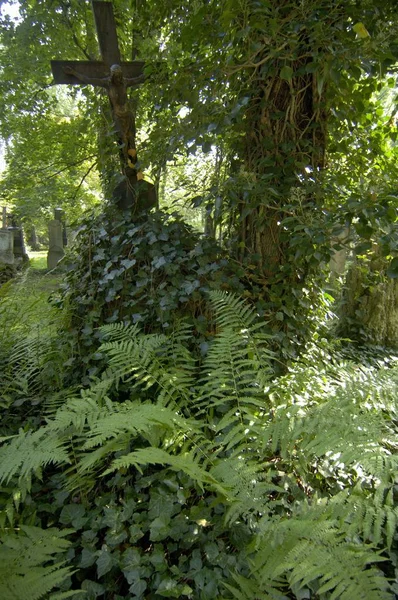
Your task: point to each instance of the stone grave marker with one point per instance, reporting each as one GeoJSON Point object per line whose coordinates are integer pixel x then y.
{"type": "Point", "coordinates": [55, 240]}
{"type": "Point", "coordinates": [20, 254]}
{"type": "Point", "coordinates": [6, 247]}
{"type": "Point", "coordinates": [6, 243]}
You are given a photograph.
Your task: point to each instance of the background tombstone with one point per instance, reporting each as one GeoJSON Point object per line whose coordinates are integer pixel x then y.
{"type": "Point", "coordinates": [55, 240]}
{"type": "Point", "coordinates": [20, 254]}
{"type": "Point", "coordinates": [7, 261]}
{"type": "Point", "coordinates": [59, 216]}
{"type": "Point", "coordinates": [6, 247]}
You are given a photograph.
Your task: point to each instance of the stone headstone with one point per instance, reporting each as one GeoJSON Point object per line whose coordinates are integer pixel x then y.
{"type": "Point", "coordinates": [64, 235]}
{"type": "Point", "coordinates": [20, 253]}
{"type": "Point", "coordinates": [55, 243]}
{"type": "Point", "coordinates": [6, 247]}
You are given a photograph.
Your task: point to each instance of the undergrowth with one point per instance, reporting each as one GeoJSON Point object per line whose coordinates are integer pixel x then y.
{"type": "Point", "coordinates": [31, 355]}
{"type": "Point", "coordinates": [212, 478]}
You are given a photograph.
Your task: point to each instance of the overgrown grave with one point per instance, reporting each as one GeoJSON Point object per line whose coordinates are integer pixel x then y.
{"type": "Point", "coordinates": [132, 264]}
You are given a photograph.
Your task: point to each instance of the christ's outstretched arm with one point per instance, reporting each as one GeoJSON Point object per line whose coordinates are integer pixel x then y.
{"type": "Point", "coordinates": [90, 80]}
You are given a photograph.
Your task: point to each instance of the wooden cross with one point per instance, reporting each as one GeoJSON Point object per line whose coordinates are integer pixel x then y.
{"type": "Point", "coordinates": [115, 76]}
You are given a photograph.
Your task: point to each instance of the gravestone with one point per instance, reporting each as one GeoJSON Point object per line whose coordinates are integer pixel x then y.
{"type": "Point", "coordinates": [6, 247]}
{"type": "Point", "coordinates": [55, 240]}
{"type": "Point", "coordinates": [6, 242]}
{"type": "Point", "coordinates": [20, 254]}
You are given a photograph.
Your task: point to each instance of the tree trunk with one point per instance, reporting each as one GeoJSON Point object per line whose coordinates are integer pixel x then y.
{"type": "Point", "coordinates": [284, 144]}
{"type": "Point", "coordinates": [370, 309]}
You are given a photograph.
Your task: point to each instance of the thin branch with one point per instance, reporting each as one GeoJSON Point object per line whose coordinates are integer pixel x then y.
{"type": "Point", "coordinates": [253, 65]}
{"type": "Point", "coordinates": [74, 36]}
{"type": "Point", "coordinates": [87, 173]}
{"type": "Point", "coordinates": [68, 166]}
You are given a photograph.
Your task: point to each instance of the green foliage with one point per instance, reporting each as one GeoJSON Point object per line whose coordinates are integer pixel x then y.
{"type": "Point", "coordinates": [214, 480]}
{"type": "Point", "coordinates": [153, 272]}
{"type": "Point", "coordinates": [39, 122]}
{"type": "Point", "coordinates": [30, 565]}
{"type": "Point", "coordinates": [31, 355]}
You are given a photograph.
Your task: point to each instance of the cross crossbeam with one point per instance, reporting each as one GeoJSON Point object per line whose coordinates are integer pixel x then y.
{"type": "Point", "coordinates": [95, 69]}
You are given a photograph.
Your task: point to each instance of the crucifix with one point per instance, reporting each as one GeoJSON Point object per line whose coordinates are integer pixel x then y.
{"type": "Point", "coordinates": [115, 76]}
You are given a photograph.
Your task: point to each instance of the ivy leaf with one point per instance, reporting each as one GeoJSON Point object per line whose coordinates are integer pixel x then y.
{"type": "Point", "coordinates": [392, 270]}
{"type": "Point", "coordinates": [104, 562]}
{"type": "Point", "coordinates": [169, 588]}
{"type": "Point", "coordinates": [94, 589]}
{"type": "Point", "coordinates": [126, 262]}
{"type": "Point", "coordinates": [158, 262]}
{"type": "Point", "coordinates": [286, 73]}
{"type": "Point", "coordinates": [159, 528]}
{"type": "Point", "coordinates": [72, 514]}
{"type": "Point", "coordinates": [138, 588]}
{"type": "Point", "coordinates": [87, 558]}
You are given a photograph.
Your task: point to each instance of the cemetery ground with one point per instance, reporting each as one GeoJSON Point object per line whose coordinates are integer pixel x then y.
{"type": "Point", "coordinates": [121, 487]}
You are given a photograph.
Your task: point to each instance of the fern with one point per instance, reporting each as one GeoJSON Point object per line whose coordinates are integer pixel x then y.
{"type": "Point", "coordinates": [30, 565]}
{"type": "Point", "coordinates": [308, 460]}
{"type": "Point", "coordinates": [310, 552]}
{"type": "Point", "coordinates": [144, 361]}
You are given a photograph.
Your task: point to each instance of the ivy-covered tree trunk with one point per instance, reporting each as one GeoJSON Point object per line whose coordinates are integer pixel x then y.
{"type": "Point", "coordinates": [284, 132]}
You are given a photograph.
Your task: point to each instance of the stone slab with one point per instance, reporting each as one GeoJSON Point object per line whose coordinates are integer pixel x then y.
{"type": "Point", "coordinates": [55, 246]}
{"type": "Point", "coordinates": [6, 247]}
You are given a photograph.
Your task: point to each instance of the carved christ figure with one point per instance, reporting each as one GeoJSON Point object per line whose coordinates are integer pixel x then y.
{"type": "Point", "coordinates": [116, 86]}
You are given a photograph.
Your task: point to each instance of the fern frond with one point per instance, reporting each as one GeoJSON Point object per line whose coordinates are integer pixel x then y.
{"type": "Point", "coordinates": [147, 361]}
{"type": "Point", "coordinates": [156, 456]}
{"type": "Point", "coordinates": [29, 452]}
{"type": "Point", "coordinates": [231, 311]}
{"type": "Point", "coordinates": [310, 551]}
{"type": "Point", "coordinates": [29, 563]}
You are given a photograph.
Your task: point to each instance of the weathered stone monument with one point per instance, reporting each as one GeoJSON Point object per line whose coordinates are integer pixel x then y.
{"type": "Point", "coordinates": [7, 261]}
{"type": "Point", "coordinates": [132, 194]}
{"type": "Point", "coordinates": [55, 240]}
{"type": "Point", "coordinates": [6, 247]}
{"type": "Point", "coordinates": [12, 244]}
{"type": "Point", "coordinates": [20, 254]}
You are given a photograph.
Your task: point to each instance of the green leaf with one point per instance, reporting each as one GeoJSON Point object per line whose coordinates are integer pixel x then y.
{"type": "Point", "coordinates": [73, 514]}
{"type": "Point", "coordinates": [392, 270]}
{"type": "Point", "coordinates": [361, 30]}
{"type": "Point", "coordinates": [171, 589]}
{"type": "Point", "coordinates": [286, 73]}
{"type": "Point", "coordinates": [138, 588]}
{"type": "Point", "coordinates": [104, 563]}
